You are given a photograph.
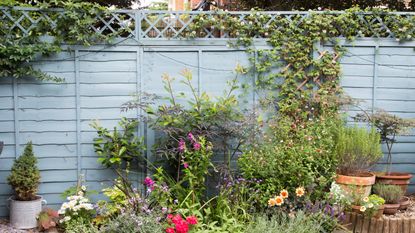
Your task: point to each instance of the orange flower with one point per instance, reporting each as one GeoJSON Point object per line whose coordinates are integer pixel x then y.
{"type": "Point", "coordinates": [299, 191]}
{"type": "Point", "coordinates": [284, 194]}
{"type": "Point", "coordinates": [272, 202]}
{"type": "Point", "coordinates": [279, 200]}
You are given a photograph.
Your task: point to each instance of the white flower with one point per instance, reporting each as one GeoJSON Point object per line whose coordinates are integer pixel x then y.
{"type": "Point", "coordinates": [83, 187]}
{"type": "Point", "coordinates": [80, 193]}
{"type": "Point", "coordinates": [370, 205]}
{"type": "Point", "coordinates": [66, 218]}
{"type": "Point", "coordinates": [112, 7]}
{"type": "Point", "coordinates": [242, 23]}
{"type": "Point", "coordinates": [362, 209]}
{"type": "Point", "coordinates": [135, 5]}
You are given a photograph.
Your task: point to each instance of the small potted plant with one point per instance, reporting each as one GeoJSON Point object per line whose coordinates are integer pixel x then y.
{"type": "Point", "coordinates": [357, 150]}
{"type": "Point", "coordinates": [25, 205]}
{"type": "Point", "coordinates": [371, 206]}
{"type": "Point", "coordinates": [392, 194]}
{"type": "Point", "coordinates": [389, 126]}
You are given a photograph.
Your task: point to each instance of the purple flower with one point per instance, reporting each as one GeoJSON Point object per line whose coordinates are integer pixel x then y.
{"type": "Point", "coordinates": [185, 165]}
{"type": "Point", "coordinates": [196, 146]}
{"type": "Point", "coordinates": [182, 145]}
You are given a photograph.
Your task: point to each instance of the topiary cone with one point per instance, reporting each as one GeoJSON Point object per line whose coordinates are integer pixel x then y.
{"type": "Point", "coordinates": [25, 175]}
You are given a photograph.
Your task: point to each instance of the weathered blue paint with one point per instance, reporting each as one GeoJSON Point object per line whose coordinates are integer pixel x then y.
{"type": "Point", "coordinates": [56, 117]}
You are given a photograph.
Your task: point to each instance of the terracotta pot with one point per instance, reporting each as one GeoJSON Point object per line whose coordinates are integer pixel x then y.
{"type": "Point", "coordinates": [395, 178]}
{"type": "Point", "coordinates": [391, 208]}
{"type": "Point", "coordinates": [380, 211]}
{"type": "Point", "coordinates": [361, 184]}
{"type": "Point", "coordinates": [378, 214]}
{"type": "Point", "coordinates": [404, 203]}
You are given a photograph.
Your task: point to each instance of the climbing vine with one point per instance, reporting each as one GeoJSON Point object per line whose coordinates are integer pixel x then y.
{"type": "Point", "coordinates": [43, 31]}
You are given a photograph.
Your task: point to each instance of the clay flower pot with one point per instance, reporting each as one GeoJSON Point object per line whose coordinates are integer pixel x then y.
{"type": "Point", "coordinates": [395, 178]}
{"type": "Point", "coordinates": [391, 208]}
{"type": "Point", "coordinates": [378, 214]}
{"type": "Point", "coordinates": [361, 184]}
{"type": "Point", "coordinates": [404, 203]}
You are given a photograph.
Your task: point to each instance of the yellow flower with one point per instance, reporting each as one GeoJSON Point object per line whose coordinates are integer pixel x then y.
{"type": "Point", "coordinates": [284, 194]}
{"type": "Point", "coordinates": [362, 209]}
{"type": "Point", "coordinates": [272, 202]}
{"type": "Point", "coordinates": [366, 199]}
{"type": "Point", "coordinates": [279, 200]}
{"type": "Point", "coordinates": [299, 191]}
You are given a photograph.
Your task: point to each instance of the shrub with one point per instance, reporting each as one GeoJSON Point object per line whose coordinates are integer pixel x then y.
{"type": "Point", "coordinates": [129, 222]}
{"type": "Point", "coordinates": [391, 193]}
{"type": "Point", "coordinates": [357, 149]}
{"type": "Point", "coordinates": [25, 175]}
{"type": "Point", "coordinates": [299, 223]}
{"type": "Point", "coordinates": [293, 155]}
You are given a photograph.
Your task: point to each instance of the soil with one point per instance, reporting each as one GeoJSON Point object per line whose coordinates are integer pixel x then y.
{"type": "Point", "coordinates": [410, 212]}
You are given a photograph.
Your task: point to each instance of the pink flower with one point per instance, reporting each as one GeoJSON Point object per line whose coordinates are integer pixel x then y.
{"type": "Point", "coordinates": [170, 230]}
{"type": "Point", "coordinates": [185, 165]}
{"type": "Point", "coordinates": [182, 145]}
{"type": "Point", "coordinates": [149, 182]}
{"type": "Point", "coordinates": [169, 216]}
{"type": "Point", "coordinates": [192, 220]}
{"type": "Point", "coordinates": [196, 146]}
{"type": "Point", "coordinates": [191, 137]}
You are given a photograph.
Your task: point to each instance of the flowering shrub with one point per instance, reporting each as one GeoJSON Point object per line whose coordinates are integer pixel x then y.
{"type": "Point", "coordinates": [77, 208]}
{"type": "Point", "coordinates": [195, 157]}
{"type": "Point", "coordinates": [179, 225]}
{"type": "Point", "coordinates": [339, 196]}
{"type": "Point", "coordinates": [283, 198]}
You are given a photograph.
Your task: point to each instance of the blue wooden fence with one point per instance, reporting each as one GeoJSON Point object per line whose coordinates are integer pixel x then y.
{"type": "Point", "coordinates": [99, 79]}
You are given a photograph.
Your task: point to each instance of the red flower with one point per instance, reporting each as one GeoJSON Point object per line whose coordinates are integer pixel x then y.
{"type": "Point", "coordinates": [177, 219]}
{"type": "Point", "coordinates": [169, 216]}
{"type": "Point", "coordinates": [170, 230]}
{"type": "Point", "coordinates": [182, 227]}
{"type": "Point", "coordinates": [192, 220]}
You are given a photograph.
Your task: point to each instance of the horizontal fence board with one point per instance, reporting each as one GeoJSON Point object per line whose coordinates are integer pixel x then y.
{"type": "Point", "coordinates": [108, 77]}
{"type": "Point", "coordinates": [48, 126]}
{"type": "Point", "coordinates": [46, 102]}
{"type": "Point", "coordinates": [47, 89]}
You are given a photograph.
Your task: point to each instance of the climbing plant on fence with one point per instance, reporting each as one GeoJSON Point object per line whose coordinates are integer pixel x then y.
{"type": "Point", "coordinates": [27, 34]}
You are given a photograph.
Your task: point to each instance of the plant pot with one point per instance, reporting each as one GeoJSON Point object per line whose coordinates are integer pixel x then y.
{"type": "Point", "coordinates": [404, 203]}
{"type": "Point", "coordinates": [378, 214]}
{"type": "Point", "coordinates": [395, 178]}
{"type": "Point", "coordinates": [23, 214]}
{"type": "Point", "coordinates": [391, 208]}
{"type": "Point", "coordinates": [360, 184]}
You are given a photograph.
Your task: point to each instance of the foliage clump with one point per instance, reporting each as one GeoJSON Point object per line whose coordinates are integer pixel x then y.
{"type": "Point", "coordinates": [391, 193]}
{"type": "Point", "coordinates": [25, 175]}
{"type": "Point", "coordinates": [357, 149]}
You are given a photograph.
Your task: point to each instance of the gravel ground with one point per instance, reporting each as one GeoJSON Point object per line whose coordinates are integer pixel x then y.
{"type": "Point", "coordinates": [6, 228]}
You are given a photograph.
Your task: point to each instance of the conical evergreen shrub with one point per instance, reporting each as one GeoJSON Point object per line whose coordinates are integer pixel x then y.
{"type": "Point", "coordinates": [25, 175]}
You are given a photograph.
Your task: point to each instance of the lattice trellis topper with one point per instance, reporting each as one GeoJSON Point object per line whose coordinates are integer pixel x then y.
{"type": "Point", "coordinates": [156, 25]}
